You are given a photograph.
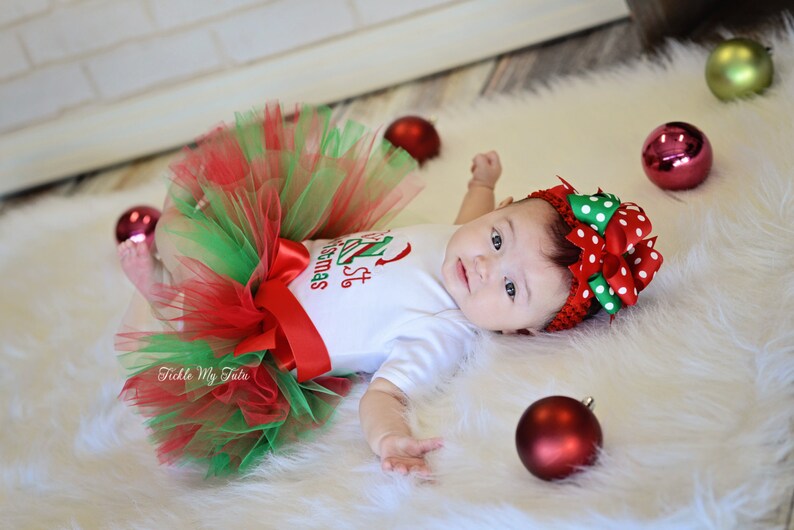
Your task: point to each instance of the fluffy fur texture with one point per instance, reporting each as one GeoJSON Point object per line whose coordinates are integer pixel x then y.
{"type": "Point", "coordinates": [694, 386]}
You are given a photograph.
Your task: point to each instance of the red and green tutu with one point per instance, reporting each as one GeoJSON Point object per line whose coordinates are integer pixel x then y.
{"type": "Point", "coordinates": [216, 379]}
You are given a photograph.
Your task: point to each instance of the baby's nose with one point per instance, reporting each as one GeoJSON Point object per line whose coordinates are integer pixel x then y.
{"type": "Point", "coordinates": [482, 266]}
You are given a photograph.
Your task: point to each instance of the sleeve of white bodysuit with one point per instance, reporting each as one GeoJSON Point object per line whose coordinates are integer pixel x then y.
{"type": "Point", "coordinates": [426, 350]}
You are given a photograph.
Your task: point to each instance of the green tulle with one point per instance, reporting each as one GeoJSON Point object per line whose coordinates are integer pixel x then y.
{"type": "Point", "coordinates": [222, 234]}
{"type": "Point", "coordinates": [310, 404]}
{"type": "Point", "coordinates": [296, 179]}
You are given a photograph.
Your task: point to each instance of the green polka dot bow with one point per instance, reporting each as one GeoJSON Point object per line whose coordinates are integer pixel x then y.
{"type": "Point", "coordinates": [618, 259]}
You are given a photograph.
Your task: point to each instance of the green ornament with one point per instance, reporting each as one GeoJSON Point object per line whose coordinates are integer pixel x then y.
{"type": "Point", "coordinates": [738, 68]}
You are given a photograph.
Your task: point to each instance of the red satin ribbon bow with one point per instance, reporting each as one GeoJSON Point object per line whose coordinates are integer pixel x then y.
{"type": "Point", "coordinates": [289, 333]}
{"type": "Point", "coordinates": [626, 260]}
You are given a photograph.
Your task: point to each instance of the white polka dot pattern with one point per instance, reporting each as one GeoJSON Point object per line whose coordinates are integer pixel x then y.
{"type": "Point", "coordinates": [607, 239]}
{"type": "Point", "coordinates": [618, 258]}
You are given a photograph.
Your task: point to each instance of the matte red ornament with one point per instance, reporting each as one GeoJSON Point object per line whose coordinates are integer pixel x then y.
{"type": "Point", "coordinates": [137, 224]}
{"type": "Point", "coordinates": [416, 135]}
{"type": "Point", "coordinates": [558, 435]}
{"type": "Point", "coordinates": [676, 156]}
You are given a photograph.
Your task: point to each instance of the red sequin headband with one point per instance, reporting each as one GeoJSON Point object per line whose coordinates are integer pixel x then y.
{"type": "Point", "coordinates": [618, 259]}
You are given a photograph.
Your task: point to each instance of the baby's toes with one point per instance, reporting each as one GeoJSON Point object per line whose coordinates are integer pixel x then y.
{"type": "Point", "coordinates": [124, 248]}
{"type": "Point", "coordinates": [141, 249]}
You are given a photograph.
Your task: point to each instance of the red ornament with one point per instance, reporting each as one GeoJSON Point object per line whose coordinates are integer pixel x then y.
{"type": "Point", "coordinates": [557, 435]}
{"type": "Point", "coordinates": [137, 224]}
{"type": "Point", "coordinates": [676, 156]}
{"type": "Point", "coordinates": [416, 135]}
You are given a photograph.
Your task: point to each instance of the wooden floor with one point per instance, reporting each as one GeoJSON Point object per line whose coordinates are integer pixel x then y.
{"type": "Point", "coordinates": [524, 69]}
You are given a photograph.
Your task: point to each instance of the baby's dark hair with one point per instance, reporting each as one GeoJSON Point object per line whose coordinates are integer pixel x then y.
{"type": "Point", "coordinates": [563, 253]}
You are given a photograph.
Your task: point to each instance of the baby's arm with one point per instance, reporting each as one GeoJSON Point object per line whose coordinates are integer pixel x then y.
{"type": "Point", "coordinates": [479, 200]}
{"type": "Point", "coordinates": [382, 414]}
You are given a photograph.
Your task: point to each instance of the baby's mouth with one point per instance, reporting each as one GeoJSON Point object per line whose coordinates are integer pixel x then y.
{"type": "Point", "coordinates": [462, 275]}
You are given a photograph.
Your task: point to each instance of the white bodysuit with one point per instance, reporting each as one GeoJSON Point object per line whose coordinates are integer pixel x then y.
{"type": "Point", "coordinates": [378, 302]}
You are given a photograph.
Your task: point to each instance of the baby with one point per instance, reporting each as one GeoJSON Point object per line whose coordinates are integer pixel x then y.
{"type": "Point", "coordinates": [403, 304]}
{"type": "Point", "coordinates": [499, 268]}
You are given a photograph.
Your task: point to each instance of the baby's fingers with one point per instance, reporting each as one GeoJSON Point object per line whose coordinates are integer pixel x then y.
{"type": "Point", "coordinates": [405, 466]}
{"type": "Point", "coordinates": [479, 160]}
{"type": "Point", "coordinates": [398, 465]}
{"type": "Point", "coordinates": [422, 447]}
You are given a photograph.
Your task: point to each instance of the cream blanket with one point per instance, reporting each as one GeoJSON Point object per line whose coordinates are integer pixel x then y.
{"type": "Point", "coordinates": [694, 386]}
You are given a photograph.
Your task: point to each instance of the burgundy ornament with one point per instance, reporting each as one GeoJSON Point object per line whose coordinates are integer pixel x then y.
{"type": "Point", "coordinates": [416, 135]}
{"type": "Point", "coordinates": [557, 435]}
{"type": "Point", "coordinates": [676, 156]}
{"type": "Point", "coordinates": [137, 224]}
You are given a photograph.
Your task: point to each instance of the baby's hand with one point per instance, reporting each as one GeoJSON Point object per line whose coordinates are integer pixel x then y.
{"type": "Point", "coordinates": [486, 169]}
{"type": "Point", "coordinates": [405, 454]}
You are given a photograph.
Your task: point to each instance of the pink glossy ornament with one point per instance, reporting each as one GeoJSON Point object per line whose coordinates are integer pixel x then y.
{"type": "Point", "coordinates": [676, 156]}
{"type": "Point", "coordinates": [137, 224]}
{"type": "Point", "coordinates": [557, 435]}
{"type": "Point", "coordinates": [416, 135]}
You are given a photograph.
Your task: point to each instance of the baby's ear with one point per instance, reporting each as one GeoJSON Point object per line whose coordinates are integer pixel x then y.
{"type": "Point", "coordinates": [505, 202]}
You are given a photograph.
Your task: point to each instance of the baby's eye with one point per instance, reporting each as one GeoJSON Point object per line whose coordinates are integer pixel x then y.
{"type": "Point", "coordinates": [496, 239]}
{"type": "Point", "coordinates": [510, 289]}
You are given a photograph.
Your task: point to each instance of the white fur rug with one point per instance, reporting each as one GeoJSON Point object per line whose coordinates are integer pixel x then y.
{"type": "Point", "coordinates": [694, 387]}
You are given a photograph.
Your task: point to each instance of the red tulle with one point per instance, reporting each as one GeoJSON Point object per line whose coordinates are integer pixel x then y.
{"type": "Point", "coordinates": [258, 398]}
{"type": "Point", "coordinates": [238, 191]}
{"type": "Point", "coordinates": [211, 305]}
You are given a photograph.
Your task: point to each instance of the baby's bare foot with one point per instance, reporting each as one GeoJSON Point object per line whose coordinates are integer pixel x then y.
{"type": "Point", "coordinates": [140, 266]}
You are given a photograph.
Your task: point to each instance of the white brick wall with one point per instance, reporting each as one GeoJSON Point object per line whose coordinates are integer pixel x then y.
{"type": "Point", "coordinates": [88, 83]}
{"type": "Point", "coordinates": [282, 26]}
{"type": "Point", "coordinates": [43, 94]}
{"type": "Point", "coordinates": [375, 12]}
{"type": "Point", "coordinates": [138, 66]}
{"type": "Point", "coordinates": [15, 10]}
{"type": "Point", "coordinates": [58, 55]}
{"type": "Point", "coordinates": [175, 13]}
{"type": "Point", "coordinates": [82, 28]}
{"type": "Point", "coordinates": [12, 57]}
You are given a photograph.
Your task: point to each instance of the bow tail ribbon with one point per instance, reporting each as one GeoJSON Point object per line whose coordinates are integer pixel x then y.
{"type": "Point", "coordinates": [628, 274]}
{"type": "Point", "coordinates": [289, 333]}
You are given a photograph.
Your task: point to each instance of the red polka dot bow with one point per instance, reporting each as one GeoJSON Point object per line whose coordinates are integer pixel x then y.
{"type": "Point", "coordinates": [618, 259]}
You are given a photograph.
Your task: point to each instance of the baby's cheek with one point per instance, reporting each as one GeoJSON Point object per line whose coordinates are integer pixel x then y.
{"type": "Point", "coordinates": [472, 315]}
{"type": "Point", "coordinates": [495, 316]}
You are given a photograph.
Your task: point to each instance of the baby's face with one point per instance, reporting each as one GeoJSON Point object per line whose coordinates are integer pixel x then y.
{"type": "Point", "coordinates": [496, 269]}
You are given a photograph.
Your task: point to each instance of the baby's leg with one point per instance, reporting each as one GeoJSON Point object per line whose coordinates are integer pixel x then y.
{"type": "Point", "coordinates": [172, 222]}
{"type": "Point", "coordinates": [140, 266]}
{"type": "Point", "coordinates": [147, 265]}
